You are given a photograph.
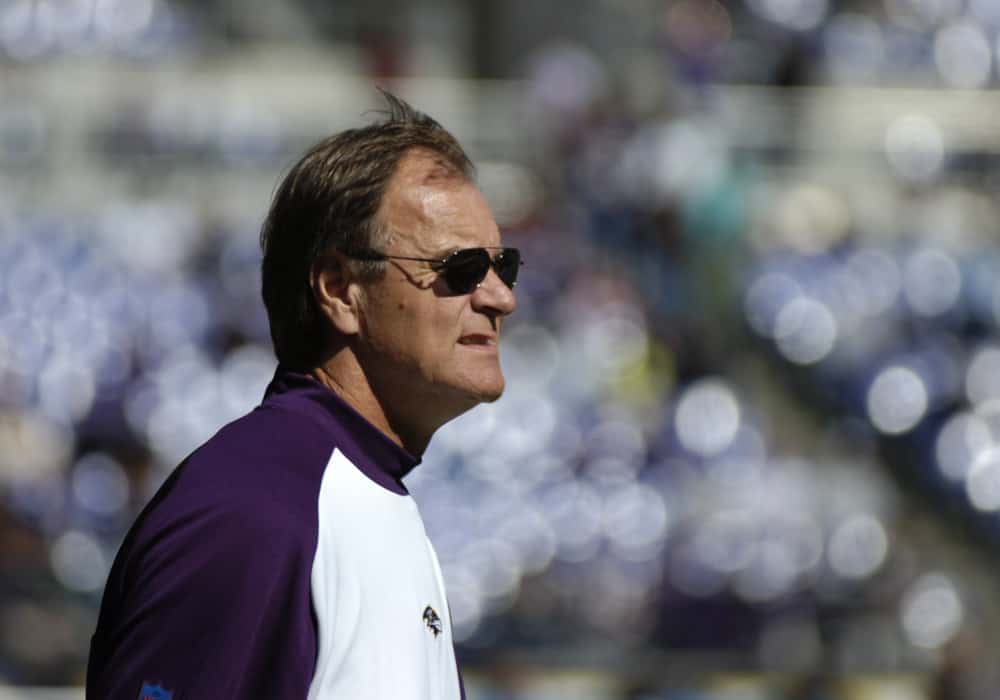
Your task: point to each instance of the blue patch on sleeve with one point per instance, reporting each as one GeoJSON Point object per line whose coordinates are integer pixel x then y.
{"type": "Point", "coordinates": [151, 691]}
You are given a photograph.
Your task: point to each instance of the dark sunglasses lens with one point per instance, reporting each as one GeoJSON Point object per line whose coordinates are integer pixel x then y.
{"type": "Point", "coordinates": [466, 269]}
{"type": "Point", "coordinates": [508, 264]}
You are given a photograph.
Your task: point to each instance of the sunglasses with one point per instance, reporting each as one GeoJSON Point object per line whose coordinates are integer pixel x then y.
{"type": "Point", "coordinates": [465, 269]}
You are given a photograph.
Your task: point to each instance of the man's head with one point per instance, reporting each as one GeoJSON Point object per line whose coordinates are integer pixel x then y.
{"type": "Point", "coordinates": [349, 271]}
{"type": "Point", "coordinates": [330, 200]}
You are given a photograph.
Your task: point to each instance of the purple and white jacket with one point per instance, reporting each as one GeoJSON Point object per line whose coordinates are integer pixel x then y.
{"type": "Point", "coordinates": [283, 559]}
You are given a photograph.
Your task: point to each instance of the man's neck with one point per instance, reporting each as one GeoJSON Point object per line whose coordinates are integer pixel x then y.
{"type": "Point", "coordinates": [342, 375]}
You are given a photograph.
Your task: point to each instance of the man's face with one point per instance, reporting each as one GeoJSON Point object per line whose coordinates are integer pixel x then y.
{"type": "Point", "coordinates": [431, 354]}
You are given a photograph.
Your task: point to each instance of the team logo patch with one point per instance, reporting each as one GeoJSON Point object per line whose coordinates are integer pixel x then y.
{"type": "Point", "coordinates": [151, 691]}
{"type": "Point", "coordinates": [432, 621]}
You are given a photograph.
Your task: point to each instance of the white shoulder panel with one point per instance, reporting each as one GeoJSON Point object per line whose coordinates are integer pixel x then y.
{"type": "Point", "coordinates": [383, 623]}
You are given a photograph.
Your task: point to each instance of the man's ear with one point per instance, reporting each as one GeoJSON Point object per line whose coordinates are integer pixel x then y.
{"type": "Point", "coordinates": [335, 292]}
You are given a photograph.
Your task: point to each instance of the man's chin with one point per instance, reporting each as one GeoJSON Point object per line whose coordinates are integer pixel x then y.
{"type": "Point", "coordinates": [493, 390]}
{"type": "Point", "coordinates": [485, 393]}
{"type": "Point", "coordinates": [491, 396]}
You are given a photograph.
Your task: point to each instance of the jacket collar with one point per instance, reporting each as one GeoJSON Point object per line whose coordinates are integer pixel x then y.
{"type": "Point", "coordinates": [367, 447]}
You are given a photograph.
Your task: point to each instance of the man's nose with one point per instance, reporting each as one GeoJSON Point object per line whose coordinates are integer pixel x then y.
{"type": "Point", "coordinates": [493, 294]}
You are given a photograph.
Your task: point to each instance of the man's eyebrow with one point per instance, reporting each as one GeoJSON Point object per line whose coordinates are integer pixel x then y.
{"type": "Point", "coordinates": [442, 253]}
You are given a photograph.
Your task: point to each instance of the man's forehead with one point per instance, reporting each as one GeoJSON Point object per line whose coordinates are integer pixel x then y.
{"type": "Point", "coordinates": [416, 200]}
{"type": "Point", "coordinates": [423, 175]}
{"type": "Point", "coordinates": [435, 205]}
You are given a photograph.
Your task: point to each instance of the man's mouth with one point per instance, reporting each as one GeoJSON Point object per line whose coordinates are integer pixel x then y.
{"type": "Point", "coordinates": [477, 339]}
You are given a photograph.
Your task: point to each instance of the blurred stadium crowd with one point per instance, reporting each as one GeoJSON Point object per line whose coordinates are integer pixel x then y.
{"type": "Point", "coordinates": [751, 442]}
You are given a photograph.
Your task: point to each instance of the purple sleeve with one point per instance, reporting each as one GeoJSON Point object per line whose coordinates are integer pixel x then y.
{"type": "Point", "coordinates": [209, 600]}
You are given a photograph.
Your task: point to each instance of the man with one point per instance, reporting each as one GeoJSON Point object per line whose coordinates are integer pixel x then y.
{"type": "Point", "coordinates": [284, 558]}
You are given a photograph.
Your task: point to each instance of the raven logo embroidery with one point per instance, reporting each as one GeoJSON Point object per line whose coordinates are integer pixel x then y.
{"type": "Point", "coordinates": [432, 621]}
{"type": "Point", "coordinates": [151, 691]}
